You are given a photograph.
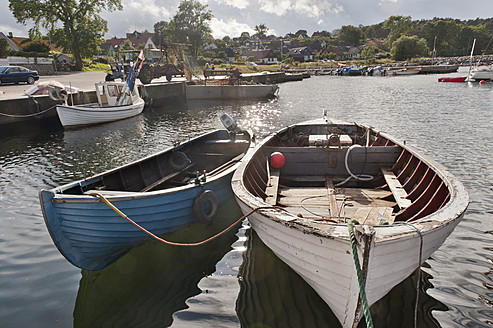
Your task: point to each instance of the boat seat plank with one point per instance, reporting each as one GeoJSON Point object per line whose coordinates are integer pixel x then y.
{"type": "Point", "coordinates": [332, 196]}
{"type": "Point", "coordinates": [272, 187]}
{"type": "Point", "coordinates": [166, 178]}
{"type": "Point", "coordinates": [396, 188]}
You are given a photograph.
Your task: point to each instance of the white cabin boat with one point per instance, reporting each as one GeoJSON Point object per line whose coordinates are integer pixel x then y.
{"type": "Point", "coordinates": [482, 73]}
{"type": "Point", "coordinates": [115, 102]}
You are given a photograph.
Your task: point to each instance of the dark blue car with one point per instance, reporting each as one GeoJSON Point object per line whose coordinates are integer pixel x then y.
{"type": "Point", "coordinates": [16, 74]}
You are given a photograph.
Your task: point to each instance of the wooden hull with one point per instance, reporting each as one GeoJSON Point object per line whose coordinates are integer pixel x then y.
{"type": "Point", "coordinates": [71, 116]}
{"type": "Point", "coordinates": [259, 91]}
{"type": "Point", "coordinates": [152, 192]}
{"type": "Point", "coordinates": [319, 249]}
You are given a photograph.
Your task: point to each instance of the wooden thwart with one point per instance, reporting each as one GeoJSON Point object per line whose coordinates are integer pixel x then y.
{"type": "Point", "coordinates": [166, 178]}
{"type": "Point", "coordinates": [396, 188]}
{"type": "Point", "coordinates": [272, 187]}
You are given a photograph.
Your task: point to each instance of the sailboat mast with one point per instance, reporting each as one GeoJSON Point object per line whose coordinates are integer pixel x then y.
{"type": "Point", "coordinates": [470, 62]}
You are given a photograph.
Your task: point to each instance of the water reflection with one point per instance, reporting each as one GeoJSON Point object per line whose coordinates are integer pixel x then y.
{"type": "Point", "coordinates": [273, 295]}
{"type": "Point", "coordinates": [151, 282]}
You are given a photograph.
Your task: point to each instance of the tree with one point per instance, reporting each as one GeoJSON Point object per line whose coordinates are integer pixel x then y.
{"type": "Point", "coordinates": [4, 48]}
{"type": "Point", "coordinates": [127, 45]}
{"type": "Point", "coordinates": [36, 47]}
{"type": "Point", "coordinates": [397, 27]}
{"type": "Point", "coordinates": [161, 33]}
{"type": "Point", "coordinates": [244, 36]}
{"type": "Point", "coordinates": [408, 47]}
{"type": "Point", "coordinates": [261, 31]}
{"type": "Point", "coordinates": [191, 24]}
{"type": "Point", "coordinates": [369, 53]}
{"type": "Point", "coordinates": [350, 34]}
{"type": "Point", "coordinates": [302, 34]}
{"type": "Point", "coordinates": [82, 29]}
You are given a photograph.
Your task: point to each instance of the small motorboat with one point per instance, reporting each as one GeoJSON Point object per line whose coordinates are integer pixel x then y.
{"type": "Point", "coordinates": [349, 208]}
{"type": "Point", "coordinates": [115, 102]}
{"type": "Point", "coordinates": [406, 71]}
{"type": "Point", "coordinates": [458, 79]}
{"type": "Point", "coordinates": [482, 73]}
{"type": "Point", "coordinates": [160, 193]}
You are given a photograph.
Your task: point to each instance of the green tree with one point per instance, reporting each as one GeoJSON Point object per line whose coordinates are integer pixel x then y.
{"type": "Point", "coordinates": [397, 27]}
{"type": "Point", "coordinates": [302, 34]}
{"type": "Point", "coordinates": [127, 45]}
{"type": "Point", "coordinates": [83, 27]}
{"type": "Point", "coordinates": [4, 48]}
{"type": "Point", "coordinates": [350, 34]}
{"type": "Point", "coordinates": [161, 33]}
{"type": "Point", "coordinates": [191, 24]}
{"type": "Point", "coordinates": [36, 47]}
{"type": "Point", "coordinates": [244, 36]}
{"type": "Point", "coordinates": [408, 47]}
{"type": "Point", "coordinates": [261, 31]}
{"type": "Point", "coordinates": [369, 53]}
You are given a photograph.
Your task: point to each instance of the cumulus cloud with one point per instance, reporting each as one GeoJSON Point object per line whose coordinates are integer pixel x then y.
{"type": "Point", "coordinates": [309, 8]}
{"type": "Point", "coordinates": [240, 4]}
{"type": "Point", "coordinates": [231, 27]}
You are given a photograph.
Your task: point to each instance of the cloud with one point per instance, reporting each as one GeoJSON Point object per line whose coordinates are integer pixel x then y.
{"type": "Point", "coordinates": [240, 4]}
{"type": "Point", "coordinates": [231, 27]}
{"type": "Point", "coordinates": [308, 8]}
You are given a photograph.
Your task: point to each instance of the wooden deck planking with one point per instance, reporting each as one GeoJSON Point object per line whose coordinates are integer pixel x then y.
{"type": "Point", "coordinates": [365, 205]}
{"type": "Point", "coordinates": [272, 187]}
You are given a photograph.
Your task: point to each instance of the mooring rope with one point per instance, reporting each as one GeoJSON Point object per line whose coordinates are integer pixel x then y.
{"type": "Point", "coordinates": [114, 208]}
{"type": "Point", "coordinates": [364, 301]}
{"type": "Point", "coordinates": [418, 283]}
{"type": "Point", "coordinates": [27, 115]}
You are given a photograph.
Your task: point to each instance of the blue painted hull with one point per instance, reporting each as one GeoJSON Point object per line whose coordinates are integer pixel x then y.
{"type": "Point", "coordinates": [91, 235]}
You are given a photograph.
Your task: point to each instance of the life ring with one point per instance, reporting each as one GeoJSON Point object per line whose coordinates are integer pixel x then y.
{"type": "Point", "coordinates": [178, 160]}
{"type": "Point", "coordinates": [205, 206]}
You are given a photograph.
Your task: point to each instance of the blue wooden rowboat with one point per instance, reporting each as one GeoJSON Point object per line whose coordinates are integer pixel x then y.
{"type": "Point", "coordinates": [162, 193]}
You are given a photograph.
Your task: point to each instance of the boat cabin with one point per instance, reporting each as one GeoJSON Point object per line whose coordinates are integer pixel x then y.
{"type": "Point", "coordinates": [110, 94]}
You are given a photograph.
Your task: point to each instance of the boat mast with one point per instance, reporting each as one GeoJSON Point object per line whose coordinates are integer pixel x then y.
{"type": "Point", "coordinates": [470, 62]}
{"type": "Point", "coordinates": [433, 55]}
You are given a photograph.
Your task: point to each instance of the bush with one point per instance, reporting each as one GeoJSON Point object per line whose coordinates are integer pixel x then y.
{"type": "Point", "coordinates": [36, 47]}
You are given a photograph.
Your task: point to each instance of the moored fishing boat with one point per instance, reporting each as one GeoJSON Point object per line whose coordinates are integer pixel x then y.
{"type": "Point", "coordinates": [115, 102]}
{"type": "Point", "coordinates": [335, 172]}
{"type": "Point", "coordinates": [161, 193]}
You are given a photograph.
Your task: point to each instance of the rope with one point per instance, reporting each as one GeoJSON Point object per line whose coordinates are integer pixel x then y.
{"type": "Point", "coordinates": [366, 308]}
{"type": "Point", "coordinates": [27, 115]}
{"type": "Point", "coordinates": [182, 244]}
{"type": "Point", "coordinates": [418, 283]}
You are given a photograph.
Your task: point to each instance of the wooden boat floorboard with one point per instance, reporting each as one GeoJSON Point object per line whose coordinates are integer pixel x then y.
{"type": "Point", "coordinates": [366, 205]}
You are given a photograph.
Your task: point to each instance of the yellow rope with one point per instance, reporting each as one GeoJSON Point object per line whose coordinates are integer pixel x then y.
{"type": "Point", "coordinates": [181, 244]}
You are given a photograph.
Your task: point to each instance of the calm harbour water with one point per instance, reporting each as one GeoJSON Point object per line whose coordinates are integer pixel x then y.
{"type": "Point", "coordinates": [237, 281]}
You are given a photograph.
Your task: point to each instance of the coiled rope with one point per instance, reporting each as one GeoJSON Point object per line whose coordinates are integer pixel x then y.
{"type": "Point", "coordinates": [364, 301]}
{"type": "Point", "coordinates": [114, 208]}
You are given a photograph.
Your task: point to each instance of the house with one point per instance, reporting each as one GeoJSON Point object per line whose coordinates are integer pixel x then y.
{"type": "Point", "coordinates": [10, 43]}
{"type": "Point", "coordinates": [252, 43]}
{"type": "Point", "coordinates": [266, 56]}
{"type": "Point", "coordinates": [139, 39]}
{"type": "Point", "coordinates": [107, 49]}
{"type": "Point", "coordinates": [115, 42]}
{"type": "Point", "coordinates": [230, 54]}
{"type": "Point", "coordinates": [301, 54]}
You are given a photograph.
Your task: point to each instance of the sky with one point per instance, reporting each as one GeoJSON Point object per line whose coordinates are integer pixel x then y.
{"type": "Point", "coordinates": [232, 17]}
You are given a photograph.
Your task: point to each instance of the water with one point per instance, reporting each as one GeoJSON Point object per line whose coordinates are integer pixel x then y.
{"type": "Point", "coordinates": [237, 281]}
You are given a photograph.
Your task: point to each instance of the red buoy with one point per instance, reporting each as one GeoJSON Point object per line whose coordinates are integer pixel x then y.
{"type": "Point", "coordinates": [482, 82]}
{"type": "Point", "coordinates": [277, 160]}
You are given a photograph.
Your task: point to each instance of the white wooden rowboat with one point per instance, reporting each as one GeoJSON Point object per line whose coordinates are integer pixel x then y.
{"type": "Point", "coordinates": [405, 203]}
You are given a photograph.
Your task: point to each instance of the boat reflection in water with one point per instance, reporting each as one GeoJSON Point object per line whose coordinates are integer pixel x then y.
{"type": "Point", "coordinates": [273, 295]}
{"type": "Point", "coordinates": [152, 281]}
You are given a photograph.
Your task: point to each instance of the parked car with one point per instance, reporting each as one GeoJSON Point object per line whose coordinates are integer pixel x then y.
{"type": "Point", "coordinates": [16, 74]}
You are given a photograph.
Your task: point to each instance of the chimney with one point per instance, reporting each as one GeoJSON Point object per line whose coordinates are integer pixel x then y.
{"type": "Point", "coordinates": [11, 35]}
